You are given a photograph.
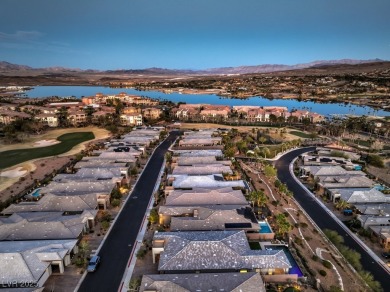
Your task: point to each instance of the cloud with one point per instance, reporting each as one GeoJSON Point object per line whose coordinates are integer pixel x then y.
{"type": "Point", "coordinates": [33, 40]}
{"type": "Point", "coordinates": [21, 36]}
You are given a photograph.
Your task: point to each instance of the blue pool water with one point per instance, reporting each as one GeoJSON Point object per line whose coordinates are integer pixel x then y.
{"type": "Point", "coordinates": [381, 188]}
{"type": "Point", "coordinates": [295, 269]}
{"type": "Point", "coordinates": [264, 227]}
{"type": "Point", "coordinates": [36, 193]}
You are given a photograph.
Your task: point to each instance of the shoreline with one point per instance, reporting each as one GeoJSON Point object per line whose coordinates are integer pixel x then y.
{"type": "Point", "coordinates": [353, 100]}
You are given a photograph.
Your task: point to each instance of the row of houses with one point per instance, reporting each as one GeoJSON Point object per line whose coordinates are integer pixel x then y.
{"type": "Point", "coordinates": [343, 181]}
{"type": "Point", "coordinates": [80, 112]}
{"type": "Point", "coordinates": [40, 236]}
{"type": "Point", "coordinates": [207, 222]}
{"type": "Point", "coordinates": [125, 98]}
{"type": "Point", "coordinates": [249, 113]}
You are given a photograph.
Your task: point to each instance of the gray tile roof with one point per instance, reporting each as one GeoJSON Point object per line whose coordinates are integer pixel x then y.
{"type": "Point", "coordinates": [374, 209]}
{"type": "Point", "coordinates": [368, 220]}
{"type": "Point", "coordinates": [95, 162]}
{"type": "Point", "coordinates": [203, 181]}
{"type": "Point", "coordinates": [335, 182]}
{"type": "Point", "coordinates": [207, 132]}
{"type": "Point", "coordinates": [199, 153]}
{"type": "Point", "coordinates": [43, 225]}
{"type": "Point", "coordinates": [200, 141]}
{"type": "Point", "coordinates": [85, 174]}
{"type": "Point", "coordinates": [383, 231]}
{"type": "Point", "coordinates": [143, 133]}
{"type": "Point", "coordinates": [78, 188]}
{"type": "Point", "coordinates": [361, 196]}
{"type": "Point", "coordinates": [227, 282]}
{"type": "Point", "coordinates": [209, 219]}
{"type": "Point", "coordinates": [118, 156]}
{"type": "Point", "coordinates": [336, 170]}
{"type": "Point", "coordinates": [52, 203]}
{"type": "Point", "coordinates": [202, 169]}
{"type": "Point", "coordinates": [180, 210]}
{"type": "Point", "coordinates": [24, 261]}
{"type": "Point", "coordinates": [199, 197]}
{"type": "Point", "coordinates": [193, 160]}
{"type": "Point", "coordinates": [215, 250]}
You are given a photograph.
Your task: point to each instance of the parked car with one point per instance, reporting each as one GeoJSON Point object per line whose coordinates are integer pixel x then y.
{"type": "Point", "coordinates": [93, 264]}
{"type": "Point", "coordinates": [386, 255]}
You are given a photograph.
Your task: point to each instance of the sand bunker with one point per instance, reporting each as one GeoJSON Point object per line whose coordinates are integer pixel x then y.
{"type": "Point", "coordinates": [43, 143]}
{"type": "Point", "coordinates": [12, 173]}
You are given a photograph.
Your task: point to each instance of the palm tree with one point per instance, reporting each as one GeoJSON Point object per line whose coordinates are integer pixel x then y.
{"type": "Point", "coordinates": [262, 140]}
{"type": "Point", "coordinates": [261, 198]}
{"type": "Point", "coordinates": [283, 226]}
{"type": "Point", "coordinates": [266, 152]}
{"type": "Point", "coordinates": [62, 116]}
{"type": "Point", "coordinates": [341, 204]}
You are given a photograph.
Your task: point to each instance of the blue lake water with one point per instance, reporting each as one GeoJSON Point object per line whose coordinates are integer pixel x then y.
{"type": "Point", "coordinates": [323, 109]}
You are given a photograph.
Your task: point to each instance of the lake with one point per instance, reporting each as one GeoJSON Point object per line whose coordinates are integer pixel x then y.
{"type": "Point", "coordinates": [321, 108]}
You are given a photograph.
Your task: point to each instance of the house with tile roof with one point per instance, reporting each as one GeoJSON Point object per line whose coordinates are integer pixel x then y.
{"type": "Point", "coordinates": [33, 261]}
{"type": "Point", "coordinates": [46, 225]}
{"type": "Point", "coordinates": [211, 219]}
{"type": "Point", "coordinates": [53, 203]}
{"type": "Point", "coordinates": [214, 251]}
{"type": "Point", "coordinates": [205, 196]}
{"type": "Point", "coordinates": [229, 282]}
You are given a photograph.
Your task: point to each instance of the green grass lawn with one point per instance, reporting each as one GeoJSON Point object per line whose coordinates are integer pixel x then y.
{"type": "Point", "coordinates": [300, 134]}
{"type": "Point", "coordinates": [68, 141]}
{"type": "Point", "coordinates": [364, 143]}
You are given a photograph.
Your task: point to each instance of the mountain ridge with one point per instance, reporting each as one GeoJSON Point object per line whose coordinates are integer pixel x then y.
{"type": "Point", "coordinates": [7, 67]}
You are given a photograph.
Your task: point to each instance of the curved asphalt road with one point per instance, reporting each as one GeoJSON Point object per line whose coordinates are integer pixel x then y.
{"type": "Point", "coordinates": [322, 218]}
{"type": "Point", "coordinates": [118, 245]}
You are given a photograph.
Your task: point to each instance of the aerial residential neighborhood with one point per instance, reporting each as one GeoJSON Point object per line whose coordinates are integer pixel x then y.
{"type": "Point", "coordinates": [213, 208]}
{"type": "Point", "coordinates": [194, 146]}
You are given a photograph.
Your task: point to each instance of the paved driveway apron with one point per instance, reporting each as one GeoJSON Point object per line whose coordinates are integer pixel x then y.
{"type": "Point", "coordinates": [117, 248]}
{"type": "Point", "coordinates": [322, 218]}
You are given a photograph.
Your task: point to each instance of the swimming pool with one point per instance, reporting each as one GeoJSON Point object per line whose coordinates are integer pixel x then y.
{"type": "Point", "coordinates": [295, 269]}
{"type": "Point", "coordinates": [264, 227]}
{"type": "Point", "coordinates": [36, 193]}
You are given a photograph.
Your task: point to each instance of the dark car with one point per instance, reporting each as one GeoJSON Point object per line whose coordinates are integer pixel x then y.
{"type": "Point", "coordinates": [386, 255]}
{"type": "Point", "coordinates": [93, 264]}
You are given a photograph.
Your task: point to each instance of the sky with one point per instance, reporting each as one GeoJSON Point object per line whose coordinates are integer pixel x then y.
{"type": "Point", "coordinates": [190, 34]}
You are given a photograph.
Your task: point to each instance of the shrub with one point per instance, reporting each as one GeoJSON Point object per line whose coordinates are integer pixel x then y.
{"type": "Point", "coordinates": [314, 258]}
{"type": "Point", "coordinates": [105, 225]}
{"type": "Point", "coordinates": [141, 253]}
{"type": "Point", "coordinates": [298, 240]}
{"type": "Point", "coordinates": [153, 216]}
{"type": "Point", "coordinates": [134, 171]}
{"type": "Point", "coordinates": [375, 160]}
{"type": "Point", "coordinates": [79, 262]}
{"type": "Point", "coordinates": [322, 273]}
{"type": "Point", "coordinates": [327, 264]}
{"type": "Point", "coordinates": [303, 224]}
{"type": "Point", "coordinates": [106, 216]}
{"type": "Point", "coordinates": [116, 194]}
{"type": "Point", "coordinates": [115, 203]}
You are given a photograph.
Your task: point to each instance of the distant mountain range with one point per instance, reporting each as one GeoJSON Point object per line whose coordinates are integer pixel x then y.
{"type": "Point", "coordinates": [7, 68]}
